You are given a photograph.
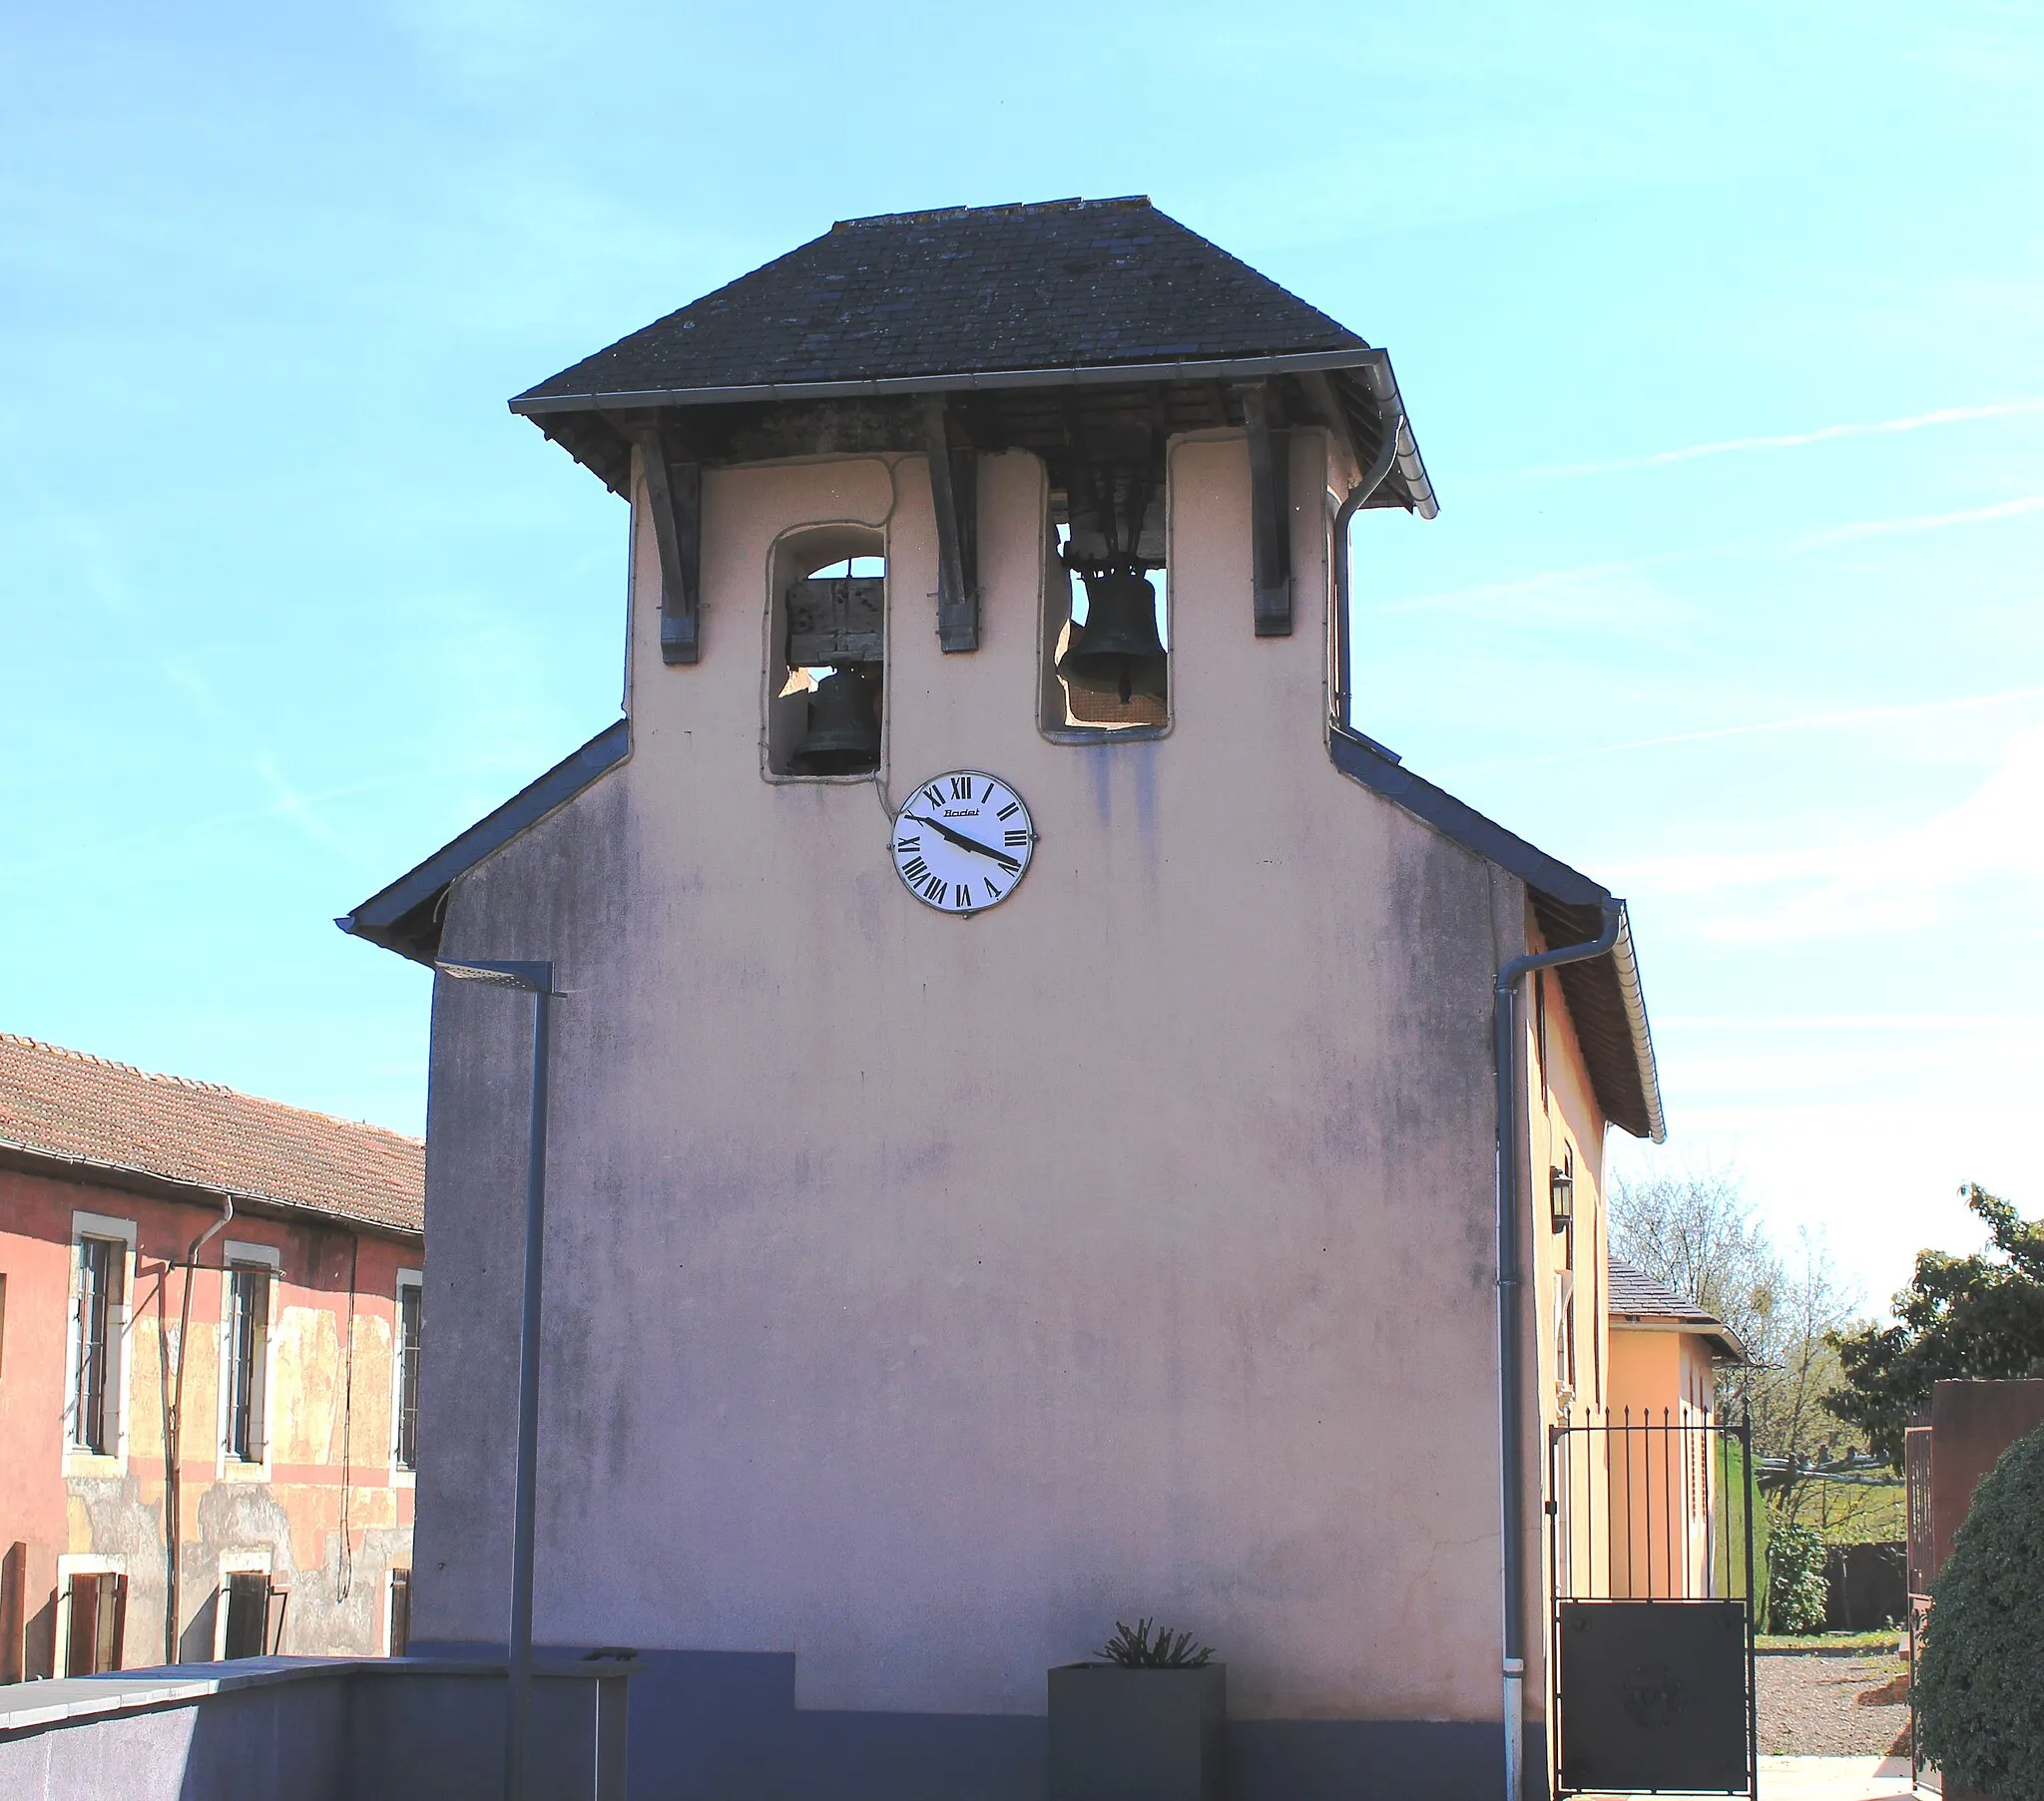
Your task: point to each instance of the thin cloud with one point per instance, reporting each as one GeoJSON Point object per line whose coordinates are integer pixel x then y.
{"type": "Point", "coordinates": [1920, 522]}
{"type": "Point", "coordinates": [1816, 721]}
{"type": "Point", "coordinates": [1542, 585]}
{"type": "Point", "coordinates": [1909, 877]}
{"type": "Point", "coordinates": [1823, 434]}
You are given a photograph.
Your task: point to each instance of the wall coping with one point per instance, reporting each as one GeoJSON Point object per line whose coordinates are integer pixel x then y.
{"type": "Point", "coordinates": [26, 1706]}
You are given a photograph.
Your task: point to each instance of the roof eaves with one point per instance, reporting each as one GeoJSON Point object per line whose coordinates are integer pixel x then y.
{"type": "Point", "coordinates": [405, 916]}
{"type": "Point", "coordinates": [1731, 1347]}
{"type": "Point", "coordinates": [533, 403]}
{"type": "Point", "coordinates": [136, 1179]}
{"type": "Point", "coordinates": [1364, 760]}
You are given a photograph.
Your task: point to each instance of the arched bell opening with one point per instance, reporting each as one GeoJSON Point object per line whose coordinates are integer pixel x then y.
{"type": "Point", "coordinates": [826, 654]}
{"type": "Point", "coordinates": [1107, 645]}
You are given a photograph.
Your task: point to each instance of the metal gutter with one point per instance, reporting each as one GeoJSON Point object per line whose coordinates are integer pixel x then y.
{"type": "Point", "coordinates": [1366, 484]}
{"type": "Point", "coordinates": [1625, 965]}
{"type": "Point", "coordinates": [1512, 1426]}
{"type": "Point", "coordinates": [532, 405]}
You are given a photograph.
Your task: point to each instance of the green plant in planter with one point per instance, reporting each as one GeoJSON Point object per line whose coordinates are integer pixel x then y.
{"type": "Point", "coordinates": [1980, 1679]}
{"type": "Point", "coordinates": [1136, 1651]}
{"type": "Point", "coordinates": [1143, 1725]}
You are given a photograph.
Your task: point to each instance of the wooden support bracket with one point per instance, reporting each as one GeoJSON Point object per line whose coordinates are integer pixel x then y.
{"type": "Point", "coordinates": [673, 490]}
{"type": "Point", "coordinates": [954, 492]}
{"type": "Point", "coordinates": [1269, 513]}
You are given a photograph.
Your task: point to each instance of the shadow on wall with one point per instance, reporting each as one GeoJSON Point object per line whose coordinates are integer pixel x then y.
{"type": "Point", "coordinates": [309, 1729]}
{"type": "Point", "coordinates": [723, 1726]}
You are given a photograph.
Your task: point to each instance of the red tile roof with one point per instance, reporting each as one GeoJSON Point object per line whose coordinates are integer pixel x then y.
{"type": "Point", "coordinates": [71, 1105]}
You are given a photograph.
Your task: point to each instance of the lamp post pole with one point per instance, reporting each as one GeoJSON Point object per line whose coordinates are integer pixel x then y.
{"type": "Point", "coordinates": [537, 980]}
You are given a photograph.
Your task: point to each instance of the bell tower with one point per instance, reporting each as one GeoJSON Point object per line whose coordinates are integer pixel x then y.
{"type": "Point", "coordinates": [1024, 1126]}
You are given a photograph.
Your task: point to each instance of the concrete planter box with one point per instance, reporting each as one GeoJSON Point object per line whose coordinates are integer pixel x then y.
{"type": "Point", "coordinates": [1120, 1734]}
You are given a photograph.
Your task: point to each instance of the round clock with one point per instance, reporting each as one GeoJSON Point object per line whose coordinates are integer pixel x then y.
{"type": "Point", "coordinates": [961, 841]}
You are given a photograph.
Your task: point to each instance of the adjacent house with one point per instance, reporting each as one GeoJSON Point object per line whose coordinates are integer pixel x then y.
{"type": "Point", "coordinates": [1671, 1528]}
{"type": "Point", "coordinates": [183, 1265]}
{"type": "Point", "coordinates": [1051, 1122]}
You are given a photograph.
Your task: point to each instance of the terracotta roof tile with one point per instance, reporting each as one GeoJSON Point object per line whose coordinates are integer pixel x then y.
{"type": "Point", "coordinates": [69, 1104]}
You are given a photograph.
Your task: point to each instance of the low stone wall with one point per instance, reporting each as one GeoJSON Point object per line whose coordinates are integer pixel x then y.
{"type": "Point", "coordinates": [312, 1730]}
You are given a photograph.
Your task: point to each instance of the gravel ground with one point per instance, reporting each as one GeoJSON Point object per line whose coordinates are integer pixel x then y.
{"type": "Point", "coordinates": [1815, 1704]}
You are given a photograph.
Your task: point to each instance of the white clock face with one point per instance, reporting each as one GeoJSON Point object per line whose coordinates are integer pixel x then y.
{"type": "Point", "coordinates": [962, 842]}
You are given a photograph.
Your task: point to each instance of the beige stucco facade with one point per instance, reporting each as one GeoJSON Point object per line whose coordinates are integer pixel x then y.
{"type": "Point", "coordinates": [926, 1293]}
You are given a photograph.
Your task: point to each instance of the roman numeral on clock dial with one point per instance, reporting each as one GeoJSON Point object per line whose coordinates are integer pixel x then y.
{"type": "Point", "coordinates": [962, 843]}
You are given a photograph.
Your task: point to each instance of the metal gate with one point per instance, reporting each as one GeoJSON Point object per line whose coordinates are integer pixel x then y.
{"type": "Point", "coordinates": [1650, 1643]}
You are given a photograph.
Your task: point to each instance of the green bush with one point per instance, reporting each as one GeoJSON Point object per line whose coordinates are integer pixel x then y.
{"type": "Point", "coordinates": [1980, 1679]}
{"type": "Point", "coordinates": [1796, 1578]}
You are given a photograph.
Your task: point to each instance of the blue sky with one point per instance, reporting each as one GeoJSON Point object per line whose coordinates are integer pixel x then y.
{"type": "Point", "coordinates": [1721, 333]}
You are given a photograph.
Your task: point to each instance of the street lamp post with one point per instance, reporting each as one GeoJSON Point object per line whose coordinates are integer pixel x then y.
{"type": "Point", "coordinates": [537, 980]}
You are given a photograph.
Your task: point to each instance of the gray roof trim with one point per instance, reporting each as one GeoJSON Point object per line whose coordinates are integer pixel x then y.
{"type": "Point", "coordinates": [1365, 760]}
{"type": "Point", "coordinates": [1079, 374]}
{"type": "Point", "coordinates": [1605, 999]}
{"type": "Point", "coordinates": [1640, 1302]}
{"type": "Point", "coordinates": [1625, 964]}
{"type": "Point", "coordinates": [405, 917]}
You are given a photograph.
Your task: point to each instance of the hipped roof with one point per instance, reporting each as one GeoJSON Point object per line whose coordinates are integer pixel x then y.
{"type": "Point", "coordinates": [966, 299]}
{"type": "Point", "coordinates": [1638, 1299]}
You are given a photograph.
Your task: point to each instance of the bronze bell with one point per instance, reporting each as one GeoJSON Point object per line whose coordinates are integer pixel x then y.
{"type": "Point", "coordinates": [1117, 650]}
{"type": "Point", "coordinates": [844, 734]}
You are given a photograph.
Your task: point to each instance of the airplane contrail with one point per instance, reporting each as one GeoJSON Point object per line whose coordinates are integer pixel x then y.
{"type": "Point", "coordinates": [1823, 434]}
{"type": "Point", "coordinates": [1806, 723]}
{"type": "Point", "coordinates": [1920, 522]}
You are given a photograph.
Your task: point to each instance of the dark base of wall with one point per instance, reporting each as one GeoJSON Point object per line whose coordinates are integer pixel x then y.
{"type": "Point", "coordinates": [723, 1726]}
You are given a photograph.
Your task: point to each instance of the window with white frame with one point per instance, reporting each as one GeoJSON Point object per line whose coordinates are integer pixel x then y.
{"type": "Point", "coordinates": [242, 1605]}
{"type": "Point", "coordinates": [245, 1352]}
{"type": "Point", "coordinates": [99, 1308]}
{"type": "Point", "coordinates": [92, 1593]}
{"type": "Point", "coordinates": [405, 1377]}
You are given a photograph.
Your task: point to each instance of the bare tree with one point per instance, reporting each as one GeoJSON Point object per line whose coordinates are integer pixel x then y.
{"type": "Point", "coordinates": [1699, 1234]}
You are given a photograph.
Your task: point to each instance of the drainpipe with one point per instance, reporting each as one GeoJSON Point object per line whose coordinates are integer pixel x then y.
{"type": "Point", "coordinates": [1366, 485]}
{"type": "Point", "coordinates": [1511, 1427]}
{"type": "Point", "coordinates": [173, 1435]}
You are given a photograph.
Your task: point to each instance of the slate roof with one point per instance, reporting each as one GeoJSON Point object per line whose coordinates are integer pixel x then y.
{"type": "Point", "coordinates": [965, 290]}
{"type": "Point", "coordinates": [90, 1114]}
{"type": "Point", "coordinates": [1638, 1298]}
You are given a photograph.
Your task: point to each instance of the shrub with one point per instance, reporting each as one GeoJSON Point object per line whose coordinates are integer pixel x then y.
{"type": "Point", "coordinates": [1980, 1678]}
{"type": "Point", "coordinates": [1137, 1650]}
{"type": "Point", "coordinates": [1797, 1591]}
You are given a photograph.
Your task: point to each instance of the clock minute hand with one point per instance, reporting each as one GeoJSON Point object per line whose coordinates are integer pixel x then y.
{"type": "Point", "coordinates": [964, 843]}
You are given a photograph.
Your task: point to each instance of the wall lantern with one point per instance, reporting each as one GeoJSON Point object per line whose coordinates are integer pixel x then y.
{"type": "Point", "coordinates": [1561, 1196]}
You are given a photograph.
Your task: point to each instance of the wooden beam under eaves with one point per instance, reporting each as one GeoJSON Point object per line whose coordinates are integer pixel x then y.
{"type": "Point", "coordinates": [954, 493]}
{"type": "Point", "coordinates": [674, 492]}
{"type": "Point", "coordinates": [1269, 513]}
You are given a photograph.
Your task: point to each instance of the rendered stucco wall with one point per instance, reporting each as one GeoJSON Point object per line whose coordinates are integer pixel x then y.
{"type": "Point", "coordinates": [924, 1295]}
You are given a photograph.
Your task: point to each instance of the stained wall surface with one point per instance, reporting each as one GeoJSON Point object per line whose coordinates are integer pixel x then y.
{"type": "Point", "coordinates": [326, 1503]}
{"type": "Point", "coordinates": [924, 1295]}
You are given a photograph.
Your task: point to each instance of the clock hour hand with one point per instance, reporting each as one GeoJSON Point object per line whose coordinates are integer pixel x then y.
{"type": "Point", "coordinates": [964, 843]}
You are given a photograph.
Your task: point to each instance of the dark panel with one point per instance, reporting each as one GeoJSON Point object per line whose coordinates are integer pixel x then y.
{"type": "Point", "coordinates": [1653, 1695]}
{"type": "Point", "coordinates": [1269, 513]}
{"type": "Point", "coordinates": [955, 494]}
